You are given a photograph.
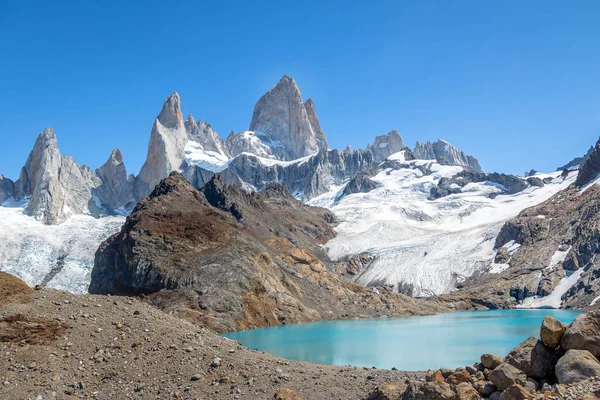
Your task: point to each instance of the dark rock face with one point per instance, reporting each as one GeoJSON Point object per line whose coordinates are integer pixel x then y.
{"type": "Point", "coordinates": [361, 183]}
{"type": "Point", "coordinates": [304, 179]}
{"type": "Point", "coordinates": [577, 161]}
{"type": "Point", "coordinates": [590, 168]}
{"type": "Point", "coordinates": [386, 145]}
{"type": "Point", "coordinates": [231, 260]}
{"type": "Point", "coordinates": [7, 189]}
{"type": "Point", "coordinates": [509, 184]}
{"type": "Point", "coordinates": [534, 358]}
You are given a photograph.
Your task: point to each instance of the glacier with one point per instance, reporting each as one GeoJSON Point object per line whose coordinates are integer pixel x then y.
{"type": "Point", "coordinates": [56, 256]}
{"type": "Point", "coordinates": [427, 246]}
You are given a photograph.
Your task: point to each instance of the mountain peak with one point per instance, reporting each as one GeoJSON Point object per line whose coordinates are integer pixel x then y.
{"type": "Point", "coordinates": [290, 126]}
{"type": "Point", "coordinates": [170, 115]}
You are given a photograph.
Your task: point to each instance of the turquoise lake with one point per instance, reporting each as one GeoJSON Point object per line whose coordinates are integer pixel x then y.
{"type": "Point", "coordinates": [414, 343]}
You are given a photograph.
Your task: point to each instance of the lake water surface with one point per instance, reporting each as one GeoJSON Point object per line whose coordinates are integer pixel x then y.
{"type": "Point", "coordinates": [414, 343]}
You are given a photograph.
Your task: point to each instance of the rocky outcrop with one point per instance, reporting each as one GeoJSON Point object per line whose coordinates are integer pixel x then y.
{"type": "Point", "coordinates": [386, 145]}
{"type": "Point", "coordinates": [166, 148]}
{"type": "Point", "coordinates": [57, 186]}
{"type": "Point", "coordinates": [590, 168]}
{"type": "Point", "coordinates": [7, 188]}
{"type": "Point", "coordinates": [576, 162]}
{"type": "Point", "coordinates": [202, 133]}
{"type": "Point", "coordinates": [232, 260]}
{"type": "Point", "coordinates": [445, 154]}
{"type": "Point", "coordinates": [508, 184]}
{"type": "Point", "coordinates": [316, 125]}
{"type": "Point", "coordinates": [116, 191]}
{"type": "Point", "coordinates": [286, 123]}
{"type": "Point", "coordinates": [305, 178]}
{"type": "Point", "coordinates": [361, 183]}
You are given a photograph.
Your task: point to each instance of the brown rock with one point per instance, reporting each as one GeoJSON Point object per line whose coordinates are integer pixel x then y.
{"type": "Point", "coordinates": [429, 391]}
{"type": "Point", "coordinates": [464, 391]}
{"type": "Point", "coordinates": [552, 331]}
{"type": "Point", "coordinates": [458, 377]}
{"type": "Point", "coordinates": [487, 388]}
{"type": "Point", "coordinates": [491, 361]}
{"type": "Point", "coordinates": [516, 392]}
{"type": "Point", "coordinates": [534, 358]}
{"type": "Point", "coordinates": [287, 394]}
{"type": "Point", "coordinates": [434, 376]}
{"type": "Point", "coordinates": [389, 391]}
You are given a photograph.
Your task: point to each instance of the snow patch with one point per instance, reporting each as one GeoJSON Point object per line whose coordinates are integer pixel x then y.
{"type": "Point", "coordinates": [553, 300]}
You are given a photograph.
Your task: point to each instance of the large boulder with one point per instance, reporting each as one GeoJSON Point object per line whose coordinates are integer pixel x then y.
{"type": "Point", "coordinates": [464, 391]}
{"type": "Point", "coordinates": [552, 331]}
{"type": "Point", "coordinates": [534, 358]}
{"type": "Point", "coordinates": [388, 391]}
{"type": "Point", "coordinates": [506, 375]}
{"type": "Point", "coordinates": [458, 377]}
{"type": "Point", "coordinates": [287, 394]}
{"type": "Point", "coordinates": [516, 392]}
{"type": "Point", "coordinates": [429, 391]}
{"type": "Point", "coordinates": [577, 365]}
{"type": "Point", "coordinates": [583, 334]}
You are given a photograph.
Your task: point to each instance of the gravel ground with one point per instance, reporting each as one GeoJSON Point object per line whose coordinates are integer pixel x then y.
{"type": "Point", "coordinates": [104, 347]}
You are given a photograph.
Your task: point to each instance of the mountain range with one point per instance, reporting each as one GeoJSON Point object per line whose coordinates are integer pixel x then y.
{"type": "Point", "coordinates": [422, 222]}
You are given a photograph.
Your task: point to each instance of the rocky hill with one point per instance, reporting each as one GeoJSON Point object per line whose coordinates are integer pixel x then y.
{"type": "Point", "coordinates": [233, 260]}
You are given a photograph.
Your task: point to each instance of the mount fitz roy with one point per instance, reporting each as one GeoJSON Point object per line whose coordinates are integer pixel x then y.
{"type": "Point", "coordinates": [285, 143]}
{"type": "Point", "coordinates": [421, 222]}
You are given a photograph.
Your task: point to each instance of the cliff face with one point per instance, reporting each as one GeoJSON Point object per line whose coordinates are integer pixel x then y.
{"type": "Point", "coordinates": [232, 260]}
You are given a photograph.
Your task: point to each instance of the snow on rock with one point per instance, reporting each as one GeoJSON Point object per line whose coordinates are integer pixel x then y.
{"type": "Point", "coordinates": [56, 256]}
{"type": "Point", "coordinates": [558, 257]}
{"type": "Point", "coordinates": [213, 161]}
{"type": "Point", "coordinates": [553, 300]}
{"type": "Point", "coordinates": [425, 247]}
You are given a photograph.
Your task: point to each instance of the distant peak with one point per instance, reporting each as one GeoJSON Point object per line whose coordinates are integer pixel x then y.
{"type": "Point", "coordinates": [116, 155]}
{"type": "Point", "coordinates": [190, 118]}
{"type": "Point", "coordinates": [170, 115]}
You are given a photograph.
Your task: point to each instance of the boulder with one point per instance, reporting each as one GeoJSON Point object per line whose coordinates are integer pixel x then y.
{"type": "Point", "coordinates": [583, 334]}
{"type": "Point", "coordinates": [552, 331]}
{"type": "Point", "coordinates": [506, 375]}
{"type": "Point", "coordinates": [577, 365]}
{"type": "Point", "coordinates": [429, 391]}
{"type": "Point", "coordinates": [464, 391]}
{"type": "Point", "coordinates": [434, 376]}
{"type": "Point", "coordinates": [287, 394]}
{"type": "Point", "coordinates": [458, 377]}
{"type": "Point", "coordinates": [491, 361]}
{"type": "Point", "coordinates": [516, 392]}
{"type": "Point", "coordinates": [534, 358]}
{"type": "Point", "coordinates": [388, 391]}
{"type": "Point", "coordinates": [487, 388]}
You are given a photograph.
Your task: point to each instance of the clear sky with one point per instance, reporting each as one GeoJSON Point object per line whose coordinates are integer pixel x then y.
{"type": "Point", "coordinates": [514, 83]}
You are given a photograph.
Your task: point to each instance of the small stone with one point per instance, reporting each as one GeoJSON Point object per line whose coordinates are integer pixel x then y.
{"type": "Point", "coordinates": [195, 378]}
{"type": "Point", "coordinates": [216, 362]}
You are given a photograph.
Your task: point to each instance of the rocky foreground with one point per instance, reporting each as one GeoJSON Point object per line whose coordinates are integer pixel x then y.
{"type": "Point", "coordinates": [56, 345]}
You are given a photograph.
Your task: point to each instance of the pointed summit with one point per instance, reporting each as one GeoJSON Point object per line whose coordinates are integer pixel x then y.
{"type": "Point", "coordinates": [116, 191]}
{"type": "Point", "coordinates": [168, 139]}
{"type": "Point", "coordinates": [287, 125]}
{"type": "Point", "coordinates": [170, 116]}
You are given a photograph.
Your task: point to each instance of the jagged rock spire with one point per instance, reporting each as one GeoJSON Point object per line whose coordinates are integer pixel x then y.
{"type": "Point", "coordinates": [115, 191]}
{"type": "Point", "coordinates": [170, 116]}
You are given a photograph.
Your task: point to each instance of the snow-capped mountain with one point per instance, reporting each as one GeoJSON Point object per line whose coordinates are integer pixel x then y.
{"type": "Point", "coordinates": [420, 220]}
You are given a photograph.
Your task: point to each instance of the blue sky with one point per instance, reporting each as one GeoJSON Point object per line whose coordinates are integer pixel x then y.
{"type": "Point", "coordinates": [515, 83]}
